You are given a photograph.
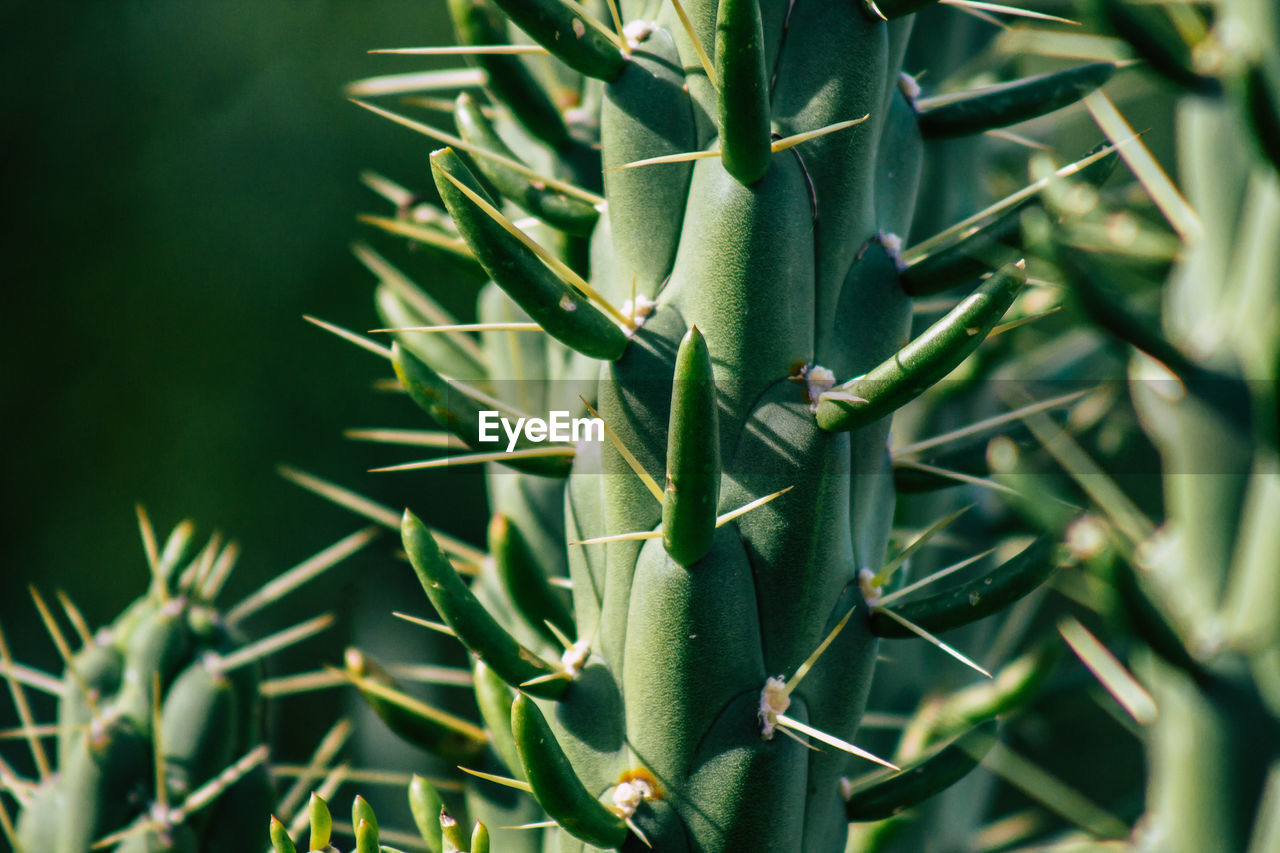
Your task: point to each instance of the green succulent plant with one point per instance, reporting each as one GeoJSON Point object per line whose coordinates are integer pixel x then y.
{"type": "Point", "coordinates": [675, 626]}
{"type": "Point", "coordinates": [159, 733]}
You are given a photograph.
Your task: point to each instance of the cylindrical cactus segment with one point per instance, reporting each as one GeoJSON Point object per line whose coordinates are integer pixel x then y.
{"type": "Point", "coordinates": [746, 307]}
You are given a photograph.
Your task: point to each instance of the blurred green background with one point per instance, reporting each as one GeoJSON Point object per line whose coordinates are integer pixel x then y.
{"type": "Point", "coordinates": [181, 187]}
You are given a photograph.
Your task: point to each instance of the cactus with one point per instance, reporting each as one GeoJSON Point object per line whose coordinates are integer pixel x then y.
{"type": "Point", "coordinates": [715, 265]}
{"type": "Point", "coordinates": [1195, 588]}
{"type": "Point", "coordinates": [705, 241]}
{"type": "Point", "coordinates": [159, 733]}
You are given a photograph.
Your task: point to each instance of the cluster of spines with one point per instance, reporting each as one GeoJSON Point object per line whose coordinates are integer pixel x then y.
{"type": "Point", "coordinates": [564, 305]}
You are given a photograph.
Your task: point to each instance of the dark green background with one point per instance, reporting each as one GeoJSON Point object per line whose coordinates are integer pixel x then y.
{"type": "Point", "coordinates": [181, 186]}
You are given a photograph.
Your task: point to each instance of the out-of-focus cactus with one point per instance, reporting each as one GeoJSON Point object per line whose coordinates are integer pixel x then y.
{"type": "Point", "coordinates": [676, 624]}
{"type": "Point", "coordinates": [158, 743]}
{"type": "Point", "coordinates": [1198, 586]}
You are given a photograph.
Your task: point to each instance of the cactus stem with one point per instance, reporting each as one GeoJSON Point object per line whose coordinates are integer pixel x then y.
{"type": "Point", "coordinates": [707, 65]}
{"type": "Point", "coordinates": [438, 627]}
{"type": "Point", "coordinates": [321, 823]}
{"type": "Point", "coordinates": [465, 50]}
{"type": "Point", "coordinates": [418, 81]}
{"type": "Point", "coordinates": [148, 533]}
{"type": "Point", "coordinates": [832, 740]}
{"type": "Point", "coordinates": [274, 643]}
{"type": "Point", "coordinates": [501, 780]}
{"type": "Point", "coordinates": [303, 573]}
{"type": "Point", "coordinates": [1014, 11]}
{"type": "Point", "coordinates": [645, 477]}
{"type": "Point", "coordinates": [886, 572]}
{"type": "Point", "coordinates": [477, 151]}
{"type": "Point", "coordinates": [1110, 672]}
{"type": "Point", "coordinates": [936, 576]}
{"type": "Point", "coordinates": [348, 335]}
{"type": "Point", "coordinates": [477, 458]}
{"type": "Point", "coordinates": [916, 629]}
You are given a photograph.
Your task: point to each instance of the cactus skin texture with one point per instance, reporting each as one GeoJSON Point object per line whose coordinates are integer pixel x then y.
{"type": "Point", "coordinates": [708, 319]}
